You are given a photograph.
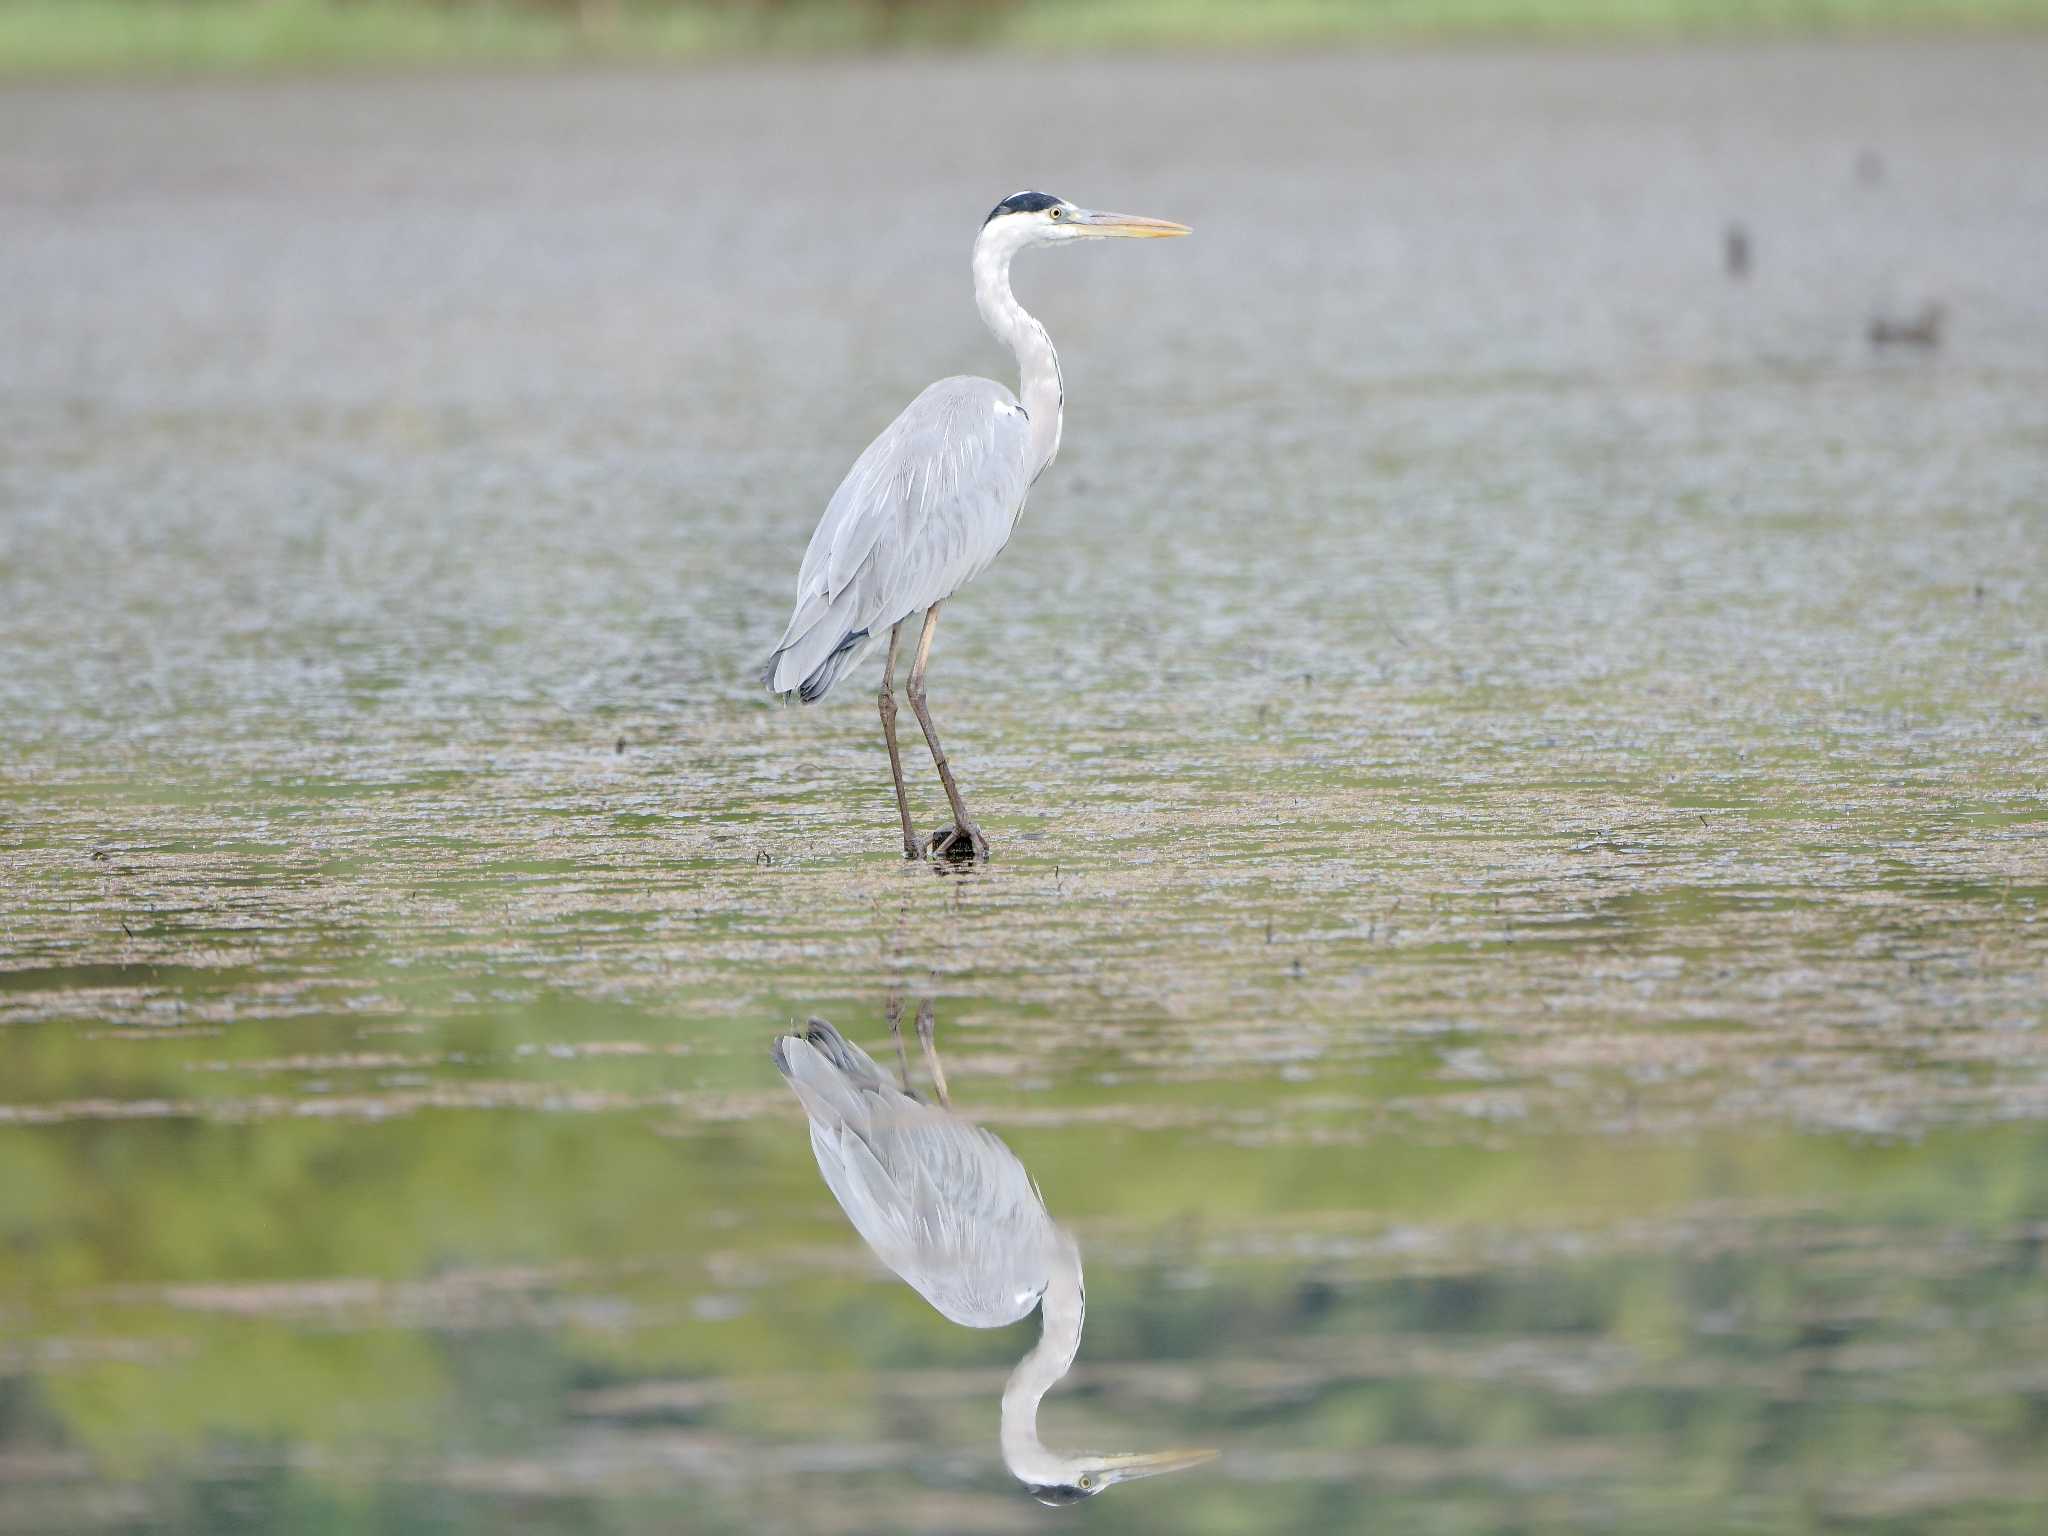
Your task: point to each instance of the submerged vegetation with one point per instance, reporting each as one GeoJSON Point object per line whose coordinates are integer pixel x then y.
{"type": "Point", "coordinates": [77, 36]}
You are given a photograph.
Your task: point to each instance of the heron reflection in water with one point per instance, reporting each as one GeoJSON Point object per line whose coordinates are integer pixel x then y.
{"type": "Point", "coordinates": [950, 1209]}
{"type": "Point", "coordinates": [932, 501]}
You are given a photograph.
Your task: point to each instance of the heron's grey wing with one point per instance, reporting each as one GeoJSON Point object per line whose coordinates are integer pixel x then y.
{"type": "Point", "coordinates": [931, 501]}
{"type": "Point", "coordinates": [923, 511]}
{"type": "Point", "coordinates": [943, 1203]}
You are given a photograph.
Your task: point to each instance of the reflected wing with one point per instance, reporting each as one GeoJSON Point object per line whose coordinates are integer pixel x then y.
{"type": "Point", "coordinates": [922, 512]}
{"type": "Point", "coordinates": [943, 1203]}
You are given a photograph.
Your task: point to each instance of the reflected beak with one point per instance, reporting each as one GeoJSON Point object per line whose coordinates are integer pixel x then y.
{"type": "Point", "coordinates": [1129, 226]}
{"type": "Point", "coordinates": [1124, 1469]}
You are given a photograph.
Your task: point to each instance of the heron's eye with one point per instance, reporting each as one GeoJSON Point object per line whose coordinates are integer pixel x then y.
{"type": "Point", "coordinates": [1087, 1481]}
{"type": "Point", "coordinates": [1059, 213]}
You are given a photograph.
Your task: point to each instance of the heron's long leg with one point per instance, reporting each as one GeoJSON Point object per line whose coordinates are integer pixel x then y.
{"type": "Point", "coordinates": [892, 1009]}
{"type": "Point", "coordinates": [887, 704]}
{"type": "Point", "coordinates": [963, 824]}
{"type": "Point", "coordinates": [931, 1052]}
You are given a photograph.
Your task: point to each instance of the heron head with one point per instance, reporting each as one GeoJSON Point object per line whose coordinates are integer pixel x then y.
{"type": "Point", "coordinates": [1039, 218]}
{"type": "Point", "coordinates": [1085, 1476]}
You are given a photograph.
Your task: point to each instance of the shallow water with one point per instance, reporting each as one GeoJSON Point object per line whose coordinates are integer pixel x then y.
{"type": "Point", "coordinates": [1516, 763]}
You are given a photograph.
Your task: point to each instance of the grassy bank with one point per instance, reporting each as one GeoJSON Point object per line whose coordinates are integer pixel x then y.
{"type": "Point", "coordinates": [62, 37]}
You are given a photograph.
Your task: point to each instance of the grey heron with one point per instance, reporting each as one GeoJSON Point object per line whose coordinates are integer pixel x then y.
{"type": "Point", "coordinates": [933, 500]}
{"type": "Point", "coordinates": [949, 1208]}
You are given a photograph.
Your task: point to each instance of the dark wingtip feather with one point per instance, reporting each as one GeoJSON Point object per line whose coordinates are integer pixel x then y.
{"type": "Point", "coordinates": [829, 1042]}
{"type": "Point", "coordinates": [817, 1033]}
{"type": "Point", "coordinates": [823, 676]}
{"type": "Point", "coordinates": [819, 683]}
{"type": "Point", "coordinates": [821, 1034]}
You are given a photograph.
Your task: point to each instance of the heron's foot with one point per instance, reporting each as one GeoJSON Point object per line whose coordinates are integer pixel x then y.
{"type": "Point", "coordinates": [912, 848]}
{"type": "Point", "coordinates": [962, 844]}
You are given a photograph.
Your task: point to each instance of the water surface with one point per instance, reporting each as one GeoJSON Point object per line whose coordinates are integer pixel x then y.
{"type": "Point", "coordinates": [1516, 765]}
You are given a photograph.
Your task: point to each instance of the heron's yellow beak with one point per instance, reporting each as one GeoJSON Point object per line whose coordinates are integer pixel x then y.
{"type": "Point", "coordinates": [1130, 226]}
{"type": "Point", "coordinates": [1123, 1469]}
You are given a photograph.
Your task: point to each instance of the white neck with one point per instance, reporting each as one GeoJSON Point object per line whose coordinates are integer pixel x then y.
{"type": "Point", "coordinates": [1061, 1310]}
{"type": "Point", "coordinates": [1039, 388]}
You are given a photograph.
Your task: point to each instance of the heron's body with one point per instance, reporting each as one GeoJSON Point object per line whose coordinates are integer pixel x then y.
{"type": "Point", "coordinates": [941, 1201]}
{"type": "Point", "coordinates": [935, 497]}
{"type": "Point", "coordinates": [921, 513]}
{"type": "Point", "coordinates": [953, 1213]}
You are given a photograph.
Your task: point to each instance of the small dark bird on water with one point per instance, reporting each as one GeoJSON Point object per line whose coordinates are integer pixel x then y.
{"type": "Point", "coordinates": [1923, 330]}
{"type": "Point", "coordinates": [1735, 251]}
